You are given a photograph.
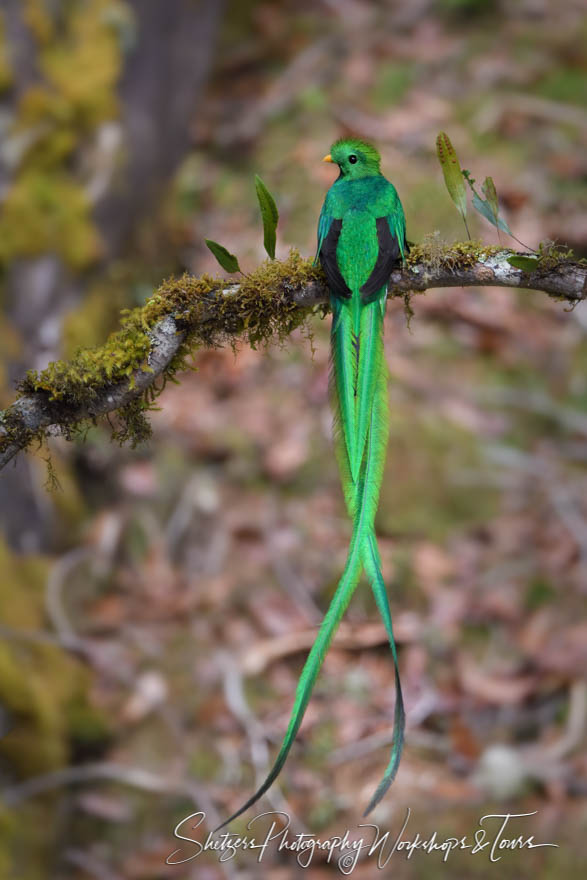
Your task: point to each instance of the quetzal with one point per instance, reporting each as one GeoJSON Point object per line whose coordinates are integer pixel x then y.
{"type": "Point", "coordinates": [361, 238]}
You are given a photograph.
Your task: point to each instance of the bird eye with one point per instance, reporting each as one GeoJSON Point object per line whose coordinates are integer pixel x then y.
{"type": "Point", "coordinates": [352, 158]}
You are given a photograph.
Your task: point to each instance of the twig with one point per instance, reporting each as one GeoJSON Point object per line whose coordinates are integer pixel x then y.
{"type": "Point", "coordinates": [53, 598]}
{"type": "Point", "coordinates": [32, 414]}
{"type": "Point", "coordinates": [132, 776]}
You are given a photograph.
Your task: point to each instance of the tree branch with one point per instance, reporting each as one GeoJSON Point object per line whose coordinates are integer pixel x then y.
{"type": "Point", "coordinates": [188, 312]}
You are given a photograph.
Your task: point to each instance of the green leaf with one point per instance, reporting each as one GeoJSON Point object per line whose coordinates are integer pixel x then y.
{"type": "Point", "coordinates": [227, 260]}
{"type": "Point", "coordinates": [490, 193]}
{"type": "Point", "coordinates": [453, 176]}
{"type": "Point", "coordinates": [269, 214]}
{"type": "Point", "coordinates": [526, 264]}
{"type": "Point", "coordinates": [486, 211]}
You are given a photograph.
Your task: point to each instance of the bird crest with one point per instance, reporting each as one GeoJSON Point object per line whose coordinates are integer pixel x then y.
{"type": "Point", "coordinates": [344, 146]}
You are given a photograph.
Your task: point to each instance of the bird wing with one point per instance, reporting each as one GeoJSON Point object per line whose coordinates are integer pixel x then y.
{"type": "Point", "coordinates": [391, 238]}
{"type": "Point", "coordinates": [388, 256]}
{"type": "Point", "coordinates": [329, 229]}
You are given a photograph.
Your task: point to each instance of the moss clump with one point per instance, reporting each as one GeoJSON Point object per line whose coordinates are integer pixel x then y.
{"type": "Point", "coordinates": [264, 307]}
{"type": "Point", "coordinates": [438, 255]}
{"type": "Point", "coordinates": [133, 425]}
{"type": "Point", "coordinates": [551, 255]}
{"type": "Point", "coordinates": [211, 312]}
{"type": "Point", "coordinates": [80, 381]}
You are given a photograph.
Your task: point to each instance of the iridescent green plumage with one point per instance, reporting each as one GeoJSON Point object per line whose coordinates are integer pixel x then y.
{"type": "Point", "coordinates": [361, 237]}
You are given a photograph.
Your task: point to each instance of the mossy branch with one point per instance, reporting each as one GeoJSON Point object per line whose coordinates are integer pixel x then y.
{"type": "Point", "coordinates": [188, 313]}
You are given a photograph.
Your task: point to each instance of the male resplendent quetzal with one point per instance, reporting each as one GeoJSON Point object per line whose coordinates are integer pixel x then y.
{"type": "Point", "coordinates": [361, 239]}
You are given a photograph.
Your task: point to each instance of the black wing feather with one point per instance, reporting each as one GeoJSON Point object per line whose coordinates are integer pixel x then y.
{"type": "Point", "coordinates": [336, 283]}
{"type": "Point", "coordinates": [387, 258]}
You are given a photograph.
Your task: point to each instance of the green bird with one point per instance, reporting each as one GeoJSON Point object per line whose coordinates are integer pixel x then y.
{"type": "Point", "coordinates": [361, 239]}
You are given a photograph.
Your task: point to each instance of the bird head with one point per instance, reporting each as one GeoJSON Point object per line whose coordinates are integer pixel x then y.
{"type": "Point", "coordinates": [355, 158]}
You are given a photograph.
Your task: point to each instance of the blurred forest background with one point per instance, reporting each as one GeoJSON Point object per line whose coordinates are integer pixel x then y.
{"type": "Point", "coordinates": [157, 607]}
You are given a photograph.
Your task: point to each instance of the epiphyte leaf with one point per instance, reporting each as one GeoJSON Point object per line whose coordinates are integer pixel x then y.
{"type": "Point", "coordinates": [227, 260]}
{"type": "Point", "coordinates": [269, 215]}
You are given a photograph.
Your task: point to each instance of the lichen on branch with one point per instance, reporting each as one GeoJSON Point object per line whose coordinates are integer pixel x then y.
{"type": "Point", "coordinates": [127, 373]}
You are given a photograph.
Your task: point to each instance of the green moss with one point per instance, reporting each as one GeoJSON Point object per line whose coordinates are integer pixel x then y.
{"type": "Point", "coordinates": [437, 254]}
{"type": "Point", "coordinates": [133, 426]}
{"type": "Point", "coordinates": [262, 309]}
{"type": "Point", "coordinates": [552, 255]}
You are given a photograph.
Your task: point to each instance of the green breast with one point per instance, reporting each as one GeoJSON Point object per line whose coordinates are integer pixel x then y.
{"type": "Point", "coordinates": [357, 247]}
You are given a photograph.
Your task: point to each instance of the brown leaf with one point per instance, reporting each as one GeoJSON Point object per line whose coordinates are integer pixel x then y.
{"type": "Point", "coordinates": [492, 688]}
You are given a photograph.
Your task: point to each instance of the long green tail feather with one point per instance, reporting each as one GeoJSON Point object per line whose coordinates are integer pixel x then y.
{"type": "Point", "coordinates": [371, 366]}
{"type": "Point", "coordinates": [370, 401]}
{"type": "Point", "coordinates": [374, 423]}
{"type": "Point", "coordinates": [346, 587]}
{"type": "Point", "coordinates": [373, 568]}
{"type": "Point", "coordinates": [343, 398]}
{"type": "Point", "coordinates": [359, 397]}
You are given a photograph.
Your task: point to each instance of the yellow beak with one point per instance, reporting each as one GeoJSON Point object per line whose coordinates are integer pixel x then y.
{"type": "Point", "coordinates": [328, 158]}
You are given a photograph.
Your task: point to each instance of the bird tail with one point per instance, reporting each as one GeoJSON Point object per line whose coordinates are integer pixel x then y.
{"type": "Point", "coordinates": [346, 587]}
{"type": "Point", "coordinates": [373, 568]}
{"type": "Point", "coordinates": [361, 442]}
{"type": "Point", "coordinates": [361, 421]}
